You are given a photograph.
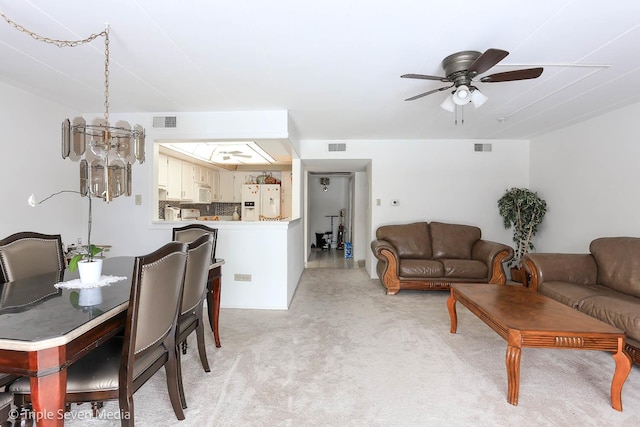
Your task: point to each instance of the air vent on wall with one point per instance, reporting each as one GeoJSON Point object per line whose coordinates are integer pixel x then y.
{"type": "Point", "coordinates": [338, 147]}
{"type": "Point", "coordinates": [164, 122]}
{"type": "Point", "coordinates": [481, 147]}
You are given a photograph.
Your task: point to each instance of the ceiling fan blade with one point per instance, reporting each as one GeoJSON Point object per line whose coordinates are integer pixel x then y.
{"type": "Point", "coordinates": [507, 76]}
{"type": "Point", "coordinates": [428, 93]}
{"type": "Point", "coordinates": [424, 77]}
{"type": "Point", "coordinates": [246, 156]}
{"type": "Point", "coordinates": [487, 60]}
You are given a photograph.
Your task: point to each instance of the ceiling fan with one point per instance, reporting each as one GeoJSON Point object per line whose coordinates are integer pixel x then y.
{"type": "Point", "coordinates": [226, 155]}
{"type": "Point", "coordinates": [462, 67]}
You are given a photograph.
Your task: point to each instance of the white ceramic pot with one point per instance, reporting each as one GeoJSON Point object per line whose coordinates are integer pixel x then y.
{"type": "Point", "coordinates": [90, 271]}
{"type": "Point", "coordinates": [89, 296]}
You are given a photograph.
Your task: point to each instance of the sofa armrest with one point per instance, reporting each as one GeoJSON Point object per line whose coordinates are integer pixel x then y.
{"type": "Point", "coordinates": [493, 254]}
{"type": "Point", "coordinates": [388, 265]}
{"type": "Point", "coordinates": [574, 268]}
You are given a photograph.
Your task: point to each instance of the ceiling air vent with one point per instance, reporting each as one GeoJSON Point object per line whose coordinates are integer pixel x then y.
{"type": "Point", "coordinates": [338, 147]}
{"type": "Point", "coordinates": [481, 147]}
{"type": "Point", "coordinates": [164, 122]}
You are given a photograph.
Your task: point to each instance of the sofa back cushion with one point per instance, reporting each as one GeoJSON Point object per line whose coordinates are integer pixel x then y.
{"type": "Point", "coordinates": [453, 241]}
{"type": "Point", "coordinates": [410, 240]}
{"type": "Point", "coordinates": [618, 263]}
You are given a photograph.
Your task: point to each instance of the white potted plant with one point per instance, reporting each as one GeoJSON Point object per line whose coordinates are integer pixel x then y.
{"type": "Point", "coordinates": [523, 210]}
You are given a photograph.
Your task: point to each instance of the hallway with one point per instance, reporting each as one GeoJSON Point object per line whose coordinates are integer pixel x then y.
{"type": "Point", "coordinates": [329, 259]}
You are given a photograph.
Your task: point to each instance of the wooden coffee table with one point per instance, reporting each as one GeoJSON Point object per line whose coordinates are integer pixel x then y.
{"type": "Point", "coordinates": [524, 318]}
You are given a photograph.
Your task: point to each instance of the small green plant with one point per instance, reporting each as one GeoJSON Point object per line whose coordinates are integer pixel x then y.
{"type": "Point", "coordinates": [523, 210]}
{"type": "Point", "coordinates": [89, 252]}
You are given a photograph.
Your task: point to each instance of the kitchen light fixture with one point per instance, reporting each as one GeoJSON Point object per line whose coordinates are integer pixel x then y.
{"type": "Point", "coordinates": [105, 152]}
{"type": "Point", "coordinates": [324, 181]}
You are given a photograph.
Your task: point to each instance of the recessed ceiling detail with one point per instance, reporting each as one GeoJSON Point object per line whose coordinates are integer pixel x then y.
{"type": "Point", "coordinates": [226, 153]}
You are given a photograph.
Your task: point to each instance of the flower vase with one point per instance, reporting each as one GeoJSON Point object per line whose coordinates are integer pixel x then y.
{"type": "Point", "coordinates": [90, 271]}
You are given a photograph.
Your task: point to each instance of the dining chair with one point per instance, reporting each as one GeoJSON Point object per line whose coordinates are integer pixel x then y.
{"type": "Point", "coordinates": [195, 292]}
{"type": "Point", "coordinates": [120, 366]}
{"type": "Point", "coordinates": [191, 232]}
{"type": "Point", "coordinates": [28, 253]}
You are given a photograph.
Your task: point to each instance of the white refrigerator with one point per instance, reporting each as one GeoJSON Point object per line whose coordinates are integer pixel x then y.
{"type": "Point", "coordinates": [260, 199]}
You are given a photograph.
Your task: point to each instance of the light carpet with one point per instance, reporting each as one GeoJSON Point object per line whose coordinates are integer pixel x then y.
{"type": "Point", "coordinates": [346, 354]}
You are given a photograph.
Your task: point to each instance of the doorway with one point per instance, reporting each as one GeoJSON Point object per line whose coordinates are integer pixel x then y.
{"type": "Point", "coordinates": [345, 202]}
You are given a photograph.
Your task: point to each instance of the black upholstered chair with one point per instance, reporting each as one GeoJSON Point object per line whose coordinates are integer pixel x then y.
{"type": "Point", "coordinates": [27, 254]}
{"type": "Point", "coordinates": [195, 291]}
{"type": "Point", "coordinates": [119, 367]}
{"type": "Point", "coordinates": [191, 232]}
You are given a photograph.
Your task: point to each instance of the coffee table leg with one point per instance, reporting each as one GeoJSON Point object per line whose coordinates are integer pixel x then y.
{"type": "Point", "coordinates": [451, 305]}
{"type": "Point", "coordinates": [623, 367]}
{"type": "Point", "coordinates": [514, 350]}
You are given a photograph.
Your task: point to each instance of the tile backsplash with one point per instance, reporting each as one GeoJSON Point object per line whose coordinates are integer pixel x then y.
{"type": "Point", "coordinates": [206, 209]}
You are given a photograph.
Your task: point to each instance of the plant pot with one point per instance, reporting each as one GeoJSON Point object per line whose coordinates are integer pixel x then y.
{"type": "Point", "coordinates": [90, 271]}
{"type": "Point", "coordinates": [89, 296]}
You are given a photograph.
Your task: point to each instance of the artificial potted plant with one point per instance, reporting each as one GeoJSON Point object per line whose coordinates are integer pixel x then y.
{"type": "Point", "coordinates": [523, 210]}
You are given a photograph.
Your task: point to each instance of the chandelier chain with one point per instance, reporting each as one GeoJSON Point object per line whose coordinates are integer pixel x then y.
{"type": "Point", "coordinates": [106, 74]}
{"type": "Point", "coordinates": [74, 43]}
{"type": "Point", "coordinates": [57, 42]}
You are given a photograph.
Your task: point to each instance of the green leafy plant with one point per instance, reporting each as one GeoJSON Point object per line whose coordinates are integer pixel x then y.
{"type": "Point", "coordinates": [523, 210]}
{"type": "Point", "coordinates": [88, 253]}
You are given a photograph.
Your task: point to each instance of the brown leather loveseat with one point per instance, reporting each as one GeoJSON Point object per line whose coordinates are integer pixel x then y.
{"type": "Point", "coordinates": [431, 256]}
{"type": "Point", "coordinates": [604, 283]}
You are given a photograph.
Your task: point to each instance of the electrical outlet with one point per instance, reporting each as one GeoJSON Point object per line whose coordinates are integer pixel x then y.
{"type": "Point", "coordinates": [242, 277]}
{"type": "Point", "coordinates": [138, 199]}
{"type": "Point", "coordinates": [395, 202]}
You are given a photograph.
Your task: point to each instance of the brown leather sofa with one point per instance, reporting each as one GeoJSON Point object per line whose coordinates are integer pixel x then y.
{"type": "Point", "coordinates": [431, 256]}
{"type": "Point", "coordinates": [604, 283]}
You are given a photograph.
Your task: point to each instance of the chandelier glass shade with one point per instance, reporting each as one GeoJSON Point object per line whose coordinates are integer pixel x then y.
{"type": "Point", "coordinates": [105, 153]}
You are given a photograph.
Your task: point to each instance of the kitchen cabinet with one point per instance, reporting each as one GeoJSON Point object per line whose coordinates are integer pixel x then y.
{"type": "Point", "coordinates": [188, 178]}
{"type": "Point", "coordinates": [213, 177]}
{"type": "Point", "coordinates": [180, 175]}
{"type": "Point", "coordinates": [174, 178]}
{"type": "Point", "coordinates": [202, 175]}
{"type": "Point", "coordinates": [225, 187]}
{"type": "Point", "coordinates": [162, 171]}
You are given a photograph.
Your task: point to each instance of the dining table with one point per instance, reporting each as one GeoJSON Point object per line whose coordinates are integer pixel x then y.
{"type": "Point", "coordinates": [45, 328]}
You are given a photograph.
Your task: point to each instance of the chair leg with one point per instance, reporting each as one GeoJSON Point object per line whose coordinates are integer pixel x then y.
{"type": "Point", "coordinates": [126, 408]}
{"type": "Point", "coordinates": [200, 338]}
{"type": "Point", "coordinates": [183, 399]}
{"type": "Point", "coordinates": [171, 367]}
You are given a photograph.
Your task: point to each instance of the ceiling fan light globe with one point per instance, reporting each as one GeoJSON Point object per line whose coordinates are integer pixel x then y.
{"type": "Point", "coordinates": [448, 104]}
{"type": "Point", "coordinates": [478, 98]}
{"type": "Point", "coordinates": [462, 95]}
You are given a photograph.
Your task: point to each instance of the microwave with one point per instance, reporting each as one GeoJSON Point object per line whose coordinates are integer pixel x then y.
{"type": "Point", "coordinates": [202, 194]}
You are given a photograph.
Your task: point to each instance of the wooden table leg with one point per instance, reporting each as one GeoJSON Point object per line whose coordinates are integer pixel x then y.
{"type": "Point", "coordinates": [47, 396]}
{"type": "Point", "coordinates": [213, 302]}
{"type": "Point", "coordinates": [623, 367]}
{"type": "Point", "coordinates": [451, 305]}
{"type": "Point", "coordinates": [514, 351]}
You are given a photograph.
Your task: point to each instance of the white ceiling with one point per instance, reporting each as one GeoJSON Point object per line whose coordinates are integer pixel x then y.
{"type": "Point", "coordinates": [334, 64]}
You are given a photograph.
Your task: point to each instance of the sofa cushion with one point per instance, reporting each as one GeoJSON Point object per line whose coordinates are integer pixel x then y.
{"type": "Point", "coordinates": [421, 268]}
{"type": "Point", "coordinates": [465, 269]}
{"type": "Point", "coordinates": [410, 240]}
{"type": "Point", "coordinates": [619, 310]}
{"type": "Point", "coordinates": [618, 263]}
{"type": "Point", "coordinates": [572, 294]}
{"type": "Point", "coordinates": [453, 241]}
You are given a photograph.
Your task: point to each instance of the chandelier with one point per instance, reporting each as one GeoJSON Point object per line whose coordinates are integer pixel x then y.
{"type": "Point", "coordinates": [105, 152]}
